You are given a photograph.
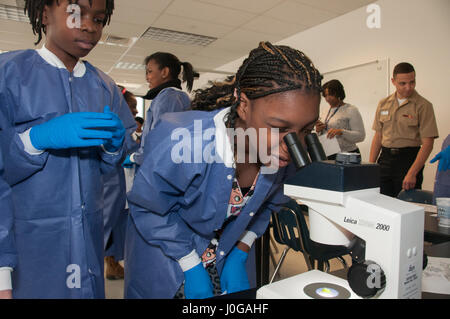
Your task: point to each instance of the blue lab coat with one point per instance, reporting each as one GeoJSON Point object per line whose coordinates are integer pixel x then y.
{"type": "Point", "coordinates": [175, 208]}
{"type": "Point", "coordinates": [168, 100]}
{"type": "Point", "coordinates": [57, 195]}
{"type": "Point", "coordinates": [8, 254]}
{"type": "Point", "coordinates": [114, 213]}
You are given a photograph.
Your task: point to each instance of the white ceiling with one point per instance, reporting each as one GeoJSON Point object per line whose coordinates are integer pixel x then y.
{"type": "Point", "coordinates": [239, 26]}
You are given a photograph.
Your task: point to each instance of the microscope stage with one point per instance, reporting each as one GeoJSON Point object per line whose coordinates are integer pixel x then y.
{"type": "Point", "coordinates": [313, 284]}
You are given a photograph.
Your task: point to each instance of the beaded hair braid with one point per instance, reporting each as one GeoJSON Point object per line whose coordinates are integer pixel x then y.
{"type": "Point", "coordinates": [269, 69]}
{"type": "Point", "coordinates": [218, 95]}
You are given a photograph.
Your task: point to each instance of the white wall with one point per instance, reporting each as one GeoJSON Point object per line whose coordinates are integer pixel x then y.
{"type": "Point", "coordinates": [416, 31]}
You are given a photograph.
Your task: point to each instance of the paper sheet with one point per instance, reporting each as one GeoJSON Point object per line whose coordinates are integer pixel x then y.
{"type": "Point", "coordinates": [330, 146]}
{"type": "Point", "coordinates": [436, 277]}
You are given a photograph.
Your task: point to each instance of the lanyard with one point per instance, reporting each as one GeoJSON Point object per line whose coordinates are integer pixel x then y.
{"type": "Point", "coordinates": [328, 118]}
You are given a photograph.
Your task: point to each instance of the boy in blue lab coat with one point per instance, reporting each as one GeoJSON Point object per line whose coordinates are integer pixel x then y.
{"type": "Point", "coordinates": [196, 205]}
{"type": "Point", "coordinates": [8, 256]}
{"type": "Point", "coordinates": [62, 127]}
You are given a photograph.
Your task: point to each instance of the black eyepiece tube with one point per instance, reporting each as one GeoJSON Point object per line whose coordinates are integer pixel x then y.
{"type": "Point", "coordinates": [296, 150]}
{"type": "Point", "coordinates": [315, 149]}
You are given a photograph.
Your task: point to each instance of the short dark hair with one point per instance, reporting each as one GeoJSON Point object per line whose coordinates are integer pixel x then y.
{"type": "Point", "coordinates": [403, 68]}
{"type": "Point", "coordinates": [335, 88]}
{"type": "Point", "coordinates": [35, 8]}
{"type": "Point", "coordinates": [139, 119]}
{"type": "Point", "coordinates": [169, 60]}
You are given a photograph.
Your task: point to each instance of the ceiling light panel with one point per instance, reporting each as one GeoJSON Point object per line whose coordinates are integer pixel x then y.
{"type": "Point", "coordinates": [12, 13]}
{"type": "Point", "coordinates": [129, 66]}
{"type": "Point", "coordinates": [178, 37]}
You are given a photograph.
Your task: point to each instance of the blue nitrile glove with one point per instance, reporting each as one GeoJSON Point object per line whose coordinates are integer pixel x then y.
{"type": "Point", "coordinates": [83, 129]}
{"type": "Point", "coordinates": [443, 158]}
{"type": "Point", "coordinates": [234, 275]}
{"type": "Point", "coordinates": [197, 284]}
{"type": "Point", "coordinates": [118, 133]}
{"type": "Point", "coordinates": [127, 163]}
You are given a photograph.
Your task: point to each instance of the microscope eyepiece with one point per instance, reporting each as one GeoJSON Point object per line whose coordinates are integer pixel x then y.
{"type": "Point", "coordinates": [315, 149]}
{"type": "Point", "coordinates": [296, 150]}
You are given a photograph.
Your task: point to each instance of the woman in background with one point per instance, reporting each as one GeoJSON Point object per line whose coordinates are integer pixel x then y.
{"type": "Point", "coordinates": [342, 120]}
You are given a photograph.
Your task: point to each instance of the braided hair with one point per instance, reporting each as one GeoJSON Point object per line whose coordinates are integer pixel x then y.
{"type": "Point", "coordinates": [218, 95]}
{"type": "Point", "coordinates": [35, 9]}
{"type": "Point", "coordinates": [269, 69]}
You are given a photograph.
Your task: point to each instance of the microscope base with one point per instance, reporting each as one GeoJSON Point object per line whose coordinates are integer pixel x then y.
{"type": "Point", "coordinates": [313, 284]}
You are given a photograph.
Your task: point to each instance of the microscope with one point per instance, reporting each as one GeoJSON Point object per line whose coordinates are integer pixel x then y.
{"type": "Point", "coordinates": [384, 234]}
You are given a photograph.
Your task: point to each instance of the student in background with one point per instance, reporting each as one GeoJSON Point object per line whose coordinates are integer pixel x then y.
{"type": "Point", "coordinates": [162, 72]}
{"type": "Point", "coordinates": [192, 224]}
{"type": "Point", "coordinates": [405, 129]}
{"type": "Point", "coordinates": [442, 180]}
{"type": "Point", "coordinates": [138, 134]}
{"type": "Point", "coordinates": [131, 100]}
{"type": "Point", "coordinates": [342, 120]}
{"type": "Point", "coordinates": [114, 213]}
{"type": "Point", "coordinates": [62, 126]}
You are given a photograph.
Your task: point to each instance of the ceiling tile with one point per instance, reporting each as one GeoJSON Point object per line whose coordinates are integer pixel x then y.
{"type": "Point", "coordinates": [125, 30]}
{"type": "Point", "coordinates": [210, 13]}
{"type": "Point", "coordinates": [136, 16]}
{"type": "Point", "coordinates": [9, 2]}
{"type": "Point", "coordinates": [108, 49]}
{"type": "Point", "coordinates": [150, 46]}
{"type": "Point", "coordinates": [218, 53]}
{"type": "Point", "coordinates": [250, 39]}
{"type": "Point", "coordinates": [15, 27]}
{"type": "Point", "coordinates": [206, 63]}
{"type": "Point", "coordinates": [189, 25]}
{"type": "Point", "coordinates": [341, 6]}
{"type": "Point", "coordinates": [297, 13]}
{"type": "Point", "coordinates": [274, 26]}
{"type": "Point", "coordinates": [144, 5]}
{"type": "Point", "coordinates": [252, 6]}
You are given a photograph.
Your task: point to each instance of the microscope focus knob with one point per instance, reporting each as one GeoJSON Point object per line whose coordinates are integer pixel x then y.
{"type": "Point", "coordinates": [366, 279]}
{"type": "Point", "coordinates": [348, 158]}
